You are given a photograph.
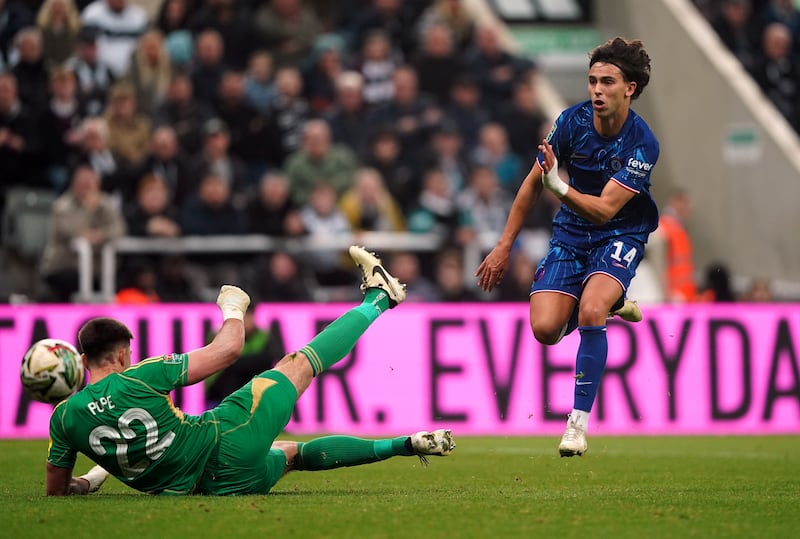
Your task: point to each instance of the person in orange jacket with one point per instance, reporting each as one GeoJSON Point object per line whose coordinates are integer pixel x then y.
{"type": "Point", "coordinates": [680, 282]}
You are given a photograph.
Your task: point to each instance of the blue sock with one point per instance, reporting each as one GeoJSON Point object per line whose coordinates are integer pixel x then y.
{"type": "Point", "coordinates": [589, 366]}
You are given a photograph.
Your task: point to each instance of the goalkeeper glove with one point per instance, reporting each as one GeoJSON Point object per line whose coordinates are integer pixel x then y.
{"type": "Point", "coordinates": [96, 477]}
{"type": "Point", "coordinates": [233, 302]}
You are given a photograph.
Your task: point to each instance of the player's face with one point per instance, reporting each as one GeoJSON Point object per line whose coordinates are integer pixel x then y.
{"type": "Point", "coordinates": [608, 90]}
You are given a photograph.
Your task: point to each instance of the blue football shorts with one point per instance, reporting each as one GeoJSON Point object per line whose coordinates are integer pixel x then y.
{"type": "Point", "coordinates": [565, 268]}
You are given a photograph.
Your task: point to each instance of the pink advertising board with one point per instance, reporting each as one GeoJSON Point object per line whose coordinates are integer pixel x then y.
{"type": "Point", "coordinates": [711, 369]}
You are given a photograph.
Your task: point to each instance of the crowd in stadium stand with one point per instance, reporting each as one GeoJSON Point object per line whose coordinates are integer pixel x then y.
{"type": "Point", "coordinates": [765, 36]}
{"type": "Point", "coordinates": [278, 117]}
{"type": "Point", "coordinates": [289, 118]}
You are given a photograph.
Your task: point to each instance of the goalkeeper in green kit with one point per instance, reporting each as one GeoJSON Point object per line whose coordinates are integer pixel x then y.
{"type": "Point", "coordinates": [125, 421]}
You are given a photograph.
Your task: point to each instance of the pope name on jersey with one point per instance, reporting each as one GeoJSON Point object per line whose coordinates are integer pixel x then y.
{"type": "Point", "coordinates": [129, 425]}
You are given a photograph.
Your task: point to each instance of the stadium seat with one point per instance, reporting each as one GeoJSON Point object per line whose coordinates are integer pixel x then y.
{"type": "Point", "coordinates": [26, 219]}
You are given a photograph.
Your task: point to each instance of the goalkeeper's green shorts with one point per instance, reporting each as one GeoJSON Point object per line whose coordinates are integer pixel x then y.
{"type": "Point", "coordinates": [250, 419]}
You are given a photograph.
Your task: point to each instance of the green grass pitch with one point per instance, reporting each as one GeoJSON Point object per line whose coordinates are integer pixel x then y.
{"type": "Point", "coordinates": [489, 487]}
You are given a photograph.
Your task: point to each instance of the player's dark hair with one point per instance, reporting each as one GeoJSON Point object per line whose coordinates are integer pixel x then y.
{"type": "Point", "coordinates": [629, 56]}
{"type": "Point", "coordinates": [100, 336]}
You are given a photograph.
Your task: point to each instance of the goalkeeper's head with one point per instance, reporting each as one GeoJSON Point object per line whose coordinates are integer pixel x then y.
{"type": "Point", "coordinates": [103, 340]}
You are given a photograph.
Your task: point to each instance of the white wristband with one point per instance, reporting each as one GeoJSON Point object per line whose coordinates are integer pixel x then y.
{"type": "Point", "coordinates": [232, 311]}
{"type": "Point", "coordinates": [96, 477]}
{"type": "Point", "coordinates": [554, 183]}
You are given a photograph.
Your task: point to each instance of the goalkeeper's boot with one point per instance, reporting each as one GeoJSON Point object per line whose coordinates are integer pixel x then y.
{"type": "Point", "coordinates": [573, 442]}
{"type": "Point", "coordinates": [439, 443]}
{"type": "Point", "coordinates": [374, 275]}
{"type": "Point", "coordinates": [628, 311]}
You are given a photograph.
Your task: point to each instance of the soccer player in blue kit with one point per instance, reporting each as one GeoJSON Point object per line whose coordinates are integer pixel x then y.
{"type": "Point", "coordinates": [600, 230]}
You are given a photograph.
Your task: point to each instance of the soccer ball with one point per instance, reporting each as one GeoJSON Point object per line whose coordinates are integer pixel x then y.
{"type": "Point", "coordinates": [51, 370]}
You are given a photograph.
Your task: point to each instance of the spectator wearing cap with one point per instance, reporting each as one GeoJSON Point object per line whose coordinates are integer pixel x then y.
{"type": "Point", "coordinates": [119, 24]}
{"type": "Point", "coordinates": [323, 69]}
{"type": "Point", "coordinates": [215, 159]}
{"type": "Point", "coordinates": [59, 21]}
{"type": "Point", "coordinates": [93, 74]}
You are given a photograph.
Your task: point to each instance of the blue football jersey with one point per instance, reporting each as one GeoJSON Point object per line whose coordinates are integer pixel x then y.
{"type": "Point", "coordinates": [593, 160]}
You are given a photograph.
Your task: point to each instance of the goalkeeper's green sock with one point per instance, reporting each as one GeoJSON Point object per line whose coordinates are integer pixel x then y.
{"type": "Point", "coordinates": [337, 451]}
{"type": "Point", "coordinates": [338, 339]}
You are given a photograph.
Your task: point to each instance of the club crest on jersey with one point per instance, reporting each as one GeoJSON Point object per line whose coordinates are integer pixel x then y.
{"type": "Point", "coordinates": [615, 163]}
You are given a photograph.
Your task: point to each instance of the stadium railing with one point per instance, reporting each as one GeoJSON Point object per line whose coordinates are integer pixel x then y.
{"type": "Point", "coordinates": [384, 242]}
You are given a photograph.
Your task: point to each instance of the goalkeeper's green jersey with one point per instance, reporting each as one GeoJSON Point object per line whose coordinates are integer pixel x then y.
{"type": "Point", "coordinates": [127, 423]}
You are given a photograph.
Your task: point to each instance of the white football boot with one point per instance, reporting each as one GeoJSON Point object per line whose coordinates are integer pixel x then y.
{"type": "Point", "coordinates": [629, 311]}
{"type": "Point", "coordinates": [437, 443]}
{"type": "Point", "coordinates": [573, 441]}
{"type": "Point", "coordinates": [374, 275]}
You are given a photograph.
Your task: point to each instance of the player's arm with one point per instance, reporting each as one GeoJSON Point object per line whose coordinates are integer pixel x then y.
{"type": "Point", "coordinates": [227, 344]}
{"type": "Point", "coordinates": [596, 209]}
{"type": "Point", "coordinates": [494, 266]}
{"type": "Point", "coordinates": [599, 209]}
{"type": "Point", "coordinates": [61, 483]}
